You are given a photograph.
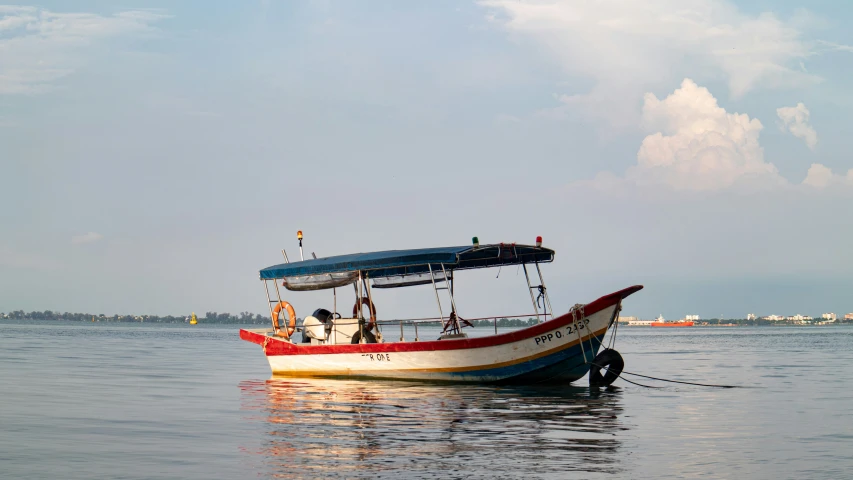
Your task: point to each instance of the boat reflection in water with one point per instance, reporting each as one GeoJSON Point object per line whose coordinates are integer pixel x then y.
{"type": "Point", "coordinates": [329, 428]}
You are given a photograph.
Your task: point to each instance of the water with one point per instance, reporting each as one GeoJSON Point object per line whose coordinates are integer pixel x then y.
{"type": "Point", "coordinates": [138, 401]}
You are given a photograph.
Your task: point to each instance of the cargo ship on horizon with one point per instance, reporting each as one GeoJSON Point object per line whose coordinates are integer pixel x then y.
{"type": "Point", "coordinates": [660, 322]}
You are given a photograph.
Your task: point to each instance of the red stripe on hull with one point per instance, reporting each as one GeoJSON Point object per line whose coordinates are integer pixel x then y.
{"type": "Point", "coordinates": [273, 346]}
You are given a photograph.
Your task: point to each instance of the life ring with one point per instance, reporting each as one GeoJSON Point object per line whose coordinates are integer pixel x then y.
{"type": "Point", "coordinates": [365, 300]}
{"type": "Point", "coordinates": [610, 359]}
{"type": "Point", "coordinates": [291, 326]}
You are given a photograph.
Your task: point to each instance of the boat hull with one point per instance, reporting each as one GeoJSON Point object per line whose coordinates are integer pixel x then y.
{"type": "Point", "coordinates": [558, 350]}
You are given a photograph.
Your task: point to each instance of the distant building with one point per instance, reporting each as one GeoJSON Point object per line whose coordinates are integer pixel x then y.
{"type": "Point", "coordinates": [849, 316]}
{"type": "Point", "coordinates": [694, 318]}
{"type": "Point", "coordinates": [800, 318]}
{"type": "Point", "coordinates": [773, 318]}
{"type": "Point", "coordinates": [830, 317]}
{"type": "Point", "coordinates": [623, 319]}
{"type": "Point", "coordinates": [750, 316]}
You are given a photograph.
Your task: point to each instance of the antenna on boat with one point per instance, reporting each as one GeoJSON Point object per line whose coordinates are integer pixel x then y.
{"type": "Point", "coordinates": [299, 237]}
{"type": "Point", "coordinates": [285, 256]}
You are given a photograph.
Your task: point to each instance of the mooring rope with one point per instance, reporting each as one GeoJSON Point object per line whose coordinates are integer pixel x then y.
{"type": "Point", "coordinates": [667, 380]}
{"type": "Point", "coordinates": [685, 383]}
{"type": "Point", "coordinates": [638, 384]}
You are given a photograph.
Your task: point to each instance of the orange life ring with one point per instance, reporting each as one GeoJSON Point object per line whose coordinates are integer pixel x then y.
{"type": "Point", "coordinates": [366, 301]}
{"type": "Point", "coordinates": [291, 327]}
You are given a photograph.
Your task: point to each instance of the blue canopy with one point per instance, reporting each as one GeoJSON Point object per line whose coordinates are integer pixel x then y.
{"type": "Point", "coordinates": [417, 261]}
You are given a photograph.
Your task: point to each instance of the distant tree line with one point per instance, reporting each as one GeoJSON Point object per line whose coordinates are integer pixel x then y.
{"type": "Point", "coordinates": [506, 322]}
{"type": "Point", "coordinates": [209, 317]}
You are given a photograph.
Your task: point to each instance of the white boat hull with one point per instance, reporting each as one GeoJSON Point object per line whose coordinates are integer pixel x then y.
{"type": "Point", "coordinates": [559, 349]}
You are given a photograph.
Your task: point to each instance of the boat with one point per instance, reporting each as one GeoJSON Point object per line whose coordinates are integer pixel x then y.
{"type": "Point", "coordinates": [660, 322]}
{"type": "Point", "coordinates": [555, 349]}
{"type": "Point", "coordinates": [193, 319]}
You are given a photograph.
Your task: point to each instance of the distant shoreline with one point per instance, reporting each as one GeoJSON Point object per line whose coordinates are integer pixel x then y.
{"type": "Point", "coordinates": [255, 319]}
{"type": "Point", "coordinates": [244, 318]}
{"type": "Point", "coordinates": [770, 324]}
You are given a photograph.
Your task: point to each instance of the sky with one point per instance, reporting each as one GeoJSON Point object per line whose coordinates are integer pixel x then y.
{"type": "Point", "coordinates": [155, 156]}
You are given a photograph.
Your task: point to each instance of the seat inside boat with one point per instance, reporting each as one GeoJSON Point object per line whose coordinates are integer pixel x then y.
{"type": "Point", "coordinates": [325, 328]}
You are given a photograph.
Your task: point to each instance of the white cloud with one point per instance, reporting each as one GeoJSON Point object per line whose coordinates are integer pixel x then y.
{"type": "Point", "coordinates": [627, 47]}
{"type": "Point", "coordinates": [698, 145]}
{"type": "Point", "coordinates": [86, 238]}
{"type": "Point", "coordinates": [796, 120]}
{"type": "Point", "coordinates": [505, 118]}
{"type": "Point", "coordinates": [820, 176]}
{"type": "Point", "coordinates": [38, 47]}
{"type": "Point", "coordinates": [836, 46]}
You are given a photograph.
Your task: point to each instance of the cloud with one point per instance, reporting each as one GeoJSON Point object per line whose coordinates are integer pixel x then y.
{"type": "Point", "coordinates": [796, 121]}
{"type": "Point", "coordinates": [39, 47]}
{"type": "Point", "coordinates": [505, 118]}
{"type": "Point", "coordinates": [836, 46]}
{"type": "Point", "coordinates": [820, 176]}
{"type": "Point", "coordinates": [627, 48]}
{"type": "Point", "coordinates": [86, 238]}
{"type": "Point", "coordinates": [698, 145]}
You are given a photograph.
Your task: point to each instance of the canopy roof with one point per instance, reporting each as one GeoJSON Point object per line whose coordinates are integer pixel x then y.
{"type": "Point", "coordinates": [407, 262]}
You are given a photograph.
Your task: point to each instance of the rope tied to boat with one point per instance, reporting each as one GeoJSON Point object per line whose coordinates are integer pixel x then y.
{"type": "Point", "coordinates": [541, 298]}
{"type": "Point", "coordinates": [605, 367]}
{"type": "Point", "coordinates": [578, 309]}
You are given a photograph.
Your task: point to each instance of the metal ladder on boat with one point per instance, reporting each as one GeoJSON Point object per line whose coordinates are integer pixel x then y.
{"type": "Point", "coordinates": [448, 286]}
{"type": "Point", "coordinates": [543, 294]}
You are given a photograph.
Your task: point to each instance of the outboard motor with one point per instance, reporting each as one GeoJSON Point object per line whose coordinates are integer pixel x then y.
{"type": "Point", "coordinates": [322, 314]}
{"type": "Point", "coordinates": [312, 327]}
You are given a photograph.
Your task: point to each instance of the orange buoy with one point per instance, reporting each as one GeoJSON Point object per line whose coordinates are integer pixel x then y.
{"type": "Point", "coordinates": [291, 326]}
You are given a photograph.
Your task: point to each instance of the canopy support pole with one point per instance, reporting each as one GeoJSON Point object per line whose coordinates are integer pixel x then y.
{"type": "Point", "coordinates": [278, 294]}
{"type": "Point", "coordinates": [269, 303]}
{"type": "Point", "coordinates": [437, 300]}
{"type": "Point", "coordinates": [370, 299]}
{"type": "Point", "coordinates": [454, 314]}
{"type": "Point", "coordinates": [530, 290]}
{"type": "Point", "coordinates": [360, 310]}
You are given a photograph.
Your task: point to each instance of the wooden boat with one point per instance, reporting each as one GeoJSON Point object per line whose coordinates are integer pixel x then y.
{"type": "Point", "coordinates": [557, 349]}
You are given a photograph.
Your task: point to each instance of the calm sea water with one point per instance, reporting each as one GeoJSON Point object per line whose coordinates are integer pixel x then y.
{"type": "Point", "coordinates": [137, 401]}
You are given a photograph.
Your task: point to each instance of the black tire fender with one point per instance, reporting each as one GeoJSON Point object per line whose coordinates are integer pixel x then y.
{"type": "Point", "coordinates": [368, 336]}
{"type": "Point", "coordinates": [612, 361]}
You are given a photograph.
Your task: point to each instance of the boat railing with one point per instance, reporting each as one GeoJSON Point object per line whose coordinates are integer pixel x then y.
{"type": "Point", "coordinates": [437, 320]}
